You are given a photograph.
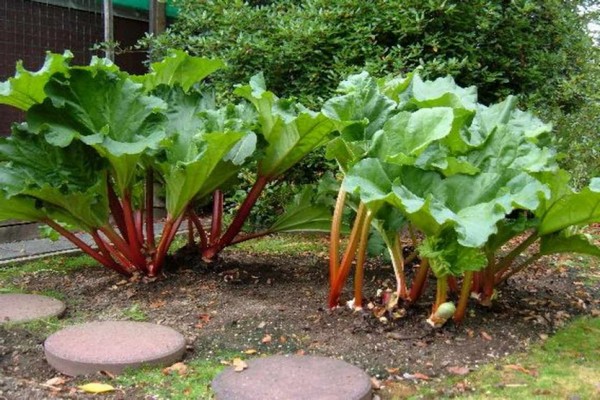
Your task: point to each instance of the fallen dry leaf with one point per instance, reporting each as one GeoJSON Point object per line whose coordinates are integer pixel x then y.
{"type": "Point", "coordinates": [375, 383]}
{"type": "Point", "coordinates": [108, 374]}
{"type": "Point", "coordinates": [266, 339]}
{"type": "Point", "coordinates": [250, 351]}
{"type": "Point", "coordinates": [421, 376]}
{"type": "Point", "coordinates": [180, 368]}
{"type": "Point", "coordinates": [392, 370]}
{"type": "Point", "coordinates": [520, 368]}
{"type": "Point", "coordinates": [458, 370]}
{"type": "Point", "coordinates": [486, 335]}
{"type": "Point", "coordinates": [239, 365]}
{"type": "Point", "coordinates": [96, 387]}
{"type": "Point", "coordinates": [157, 304]}
{"type": "Point", "coordinates": [300, 352]}
{"type": "Point", "coordinates": [204, 317]}
{"type": "Point", "coordinates": [56, 381]}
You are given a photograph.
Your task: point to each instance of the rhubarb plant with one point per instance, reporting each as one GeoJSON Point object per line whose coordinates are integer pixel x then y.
{"type": "Point", "coordinates": [97, 140]}
{"type": "Point", "coordinates": [441, 167]}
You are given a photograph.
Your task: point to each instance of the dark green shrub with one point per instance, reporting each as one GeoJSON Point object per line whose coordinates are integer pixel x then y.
{"type": "Point", "coordinates": [305, 47]}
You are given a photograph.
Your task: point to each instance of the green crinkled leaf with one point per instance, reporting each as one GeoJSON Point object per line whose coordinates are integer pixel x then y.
{"type": "Point", "coordinates": [362, 105]}
{"type": "Point", "coordinates": [242, 150]}
{"type": "Point", "coordinates": [290, 131]}
{"type": "Point", "coordinates": [27, 88]}
{"type": "Point", "coordinates": [443, 92]}
{"type": "Point", "coordinates": [68, 183]}
{"type": "Point", "coordinates": [264, 102]}
{"type": "Point", "coordinates": [508, 229]}
{"type": "Point", "coordinates": [572, 209]}
{"type": "Point", "coordinates": [105, 110]}
{"type": "Point", "coordinates": [292, 141]}
{"type": "Point", "coordinates": [409, 133]}
{"type": "Point", "coordinates": [437, 158]}
{"type": "Point", "coordinates": [185, 174]}
{"type": "Point", "coordinates": [504, 150]}
{"type": "Point", "coordinates": [471, 205]}
{"type": "Point", "coordinates": [22, 208]}
{"type": "Point", "coordinates": [198, 139]}
{"type": "Point", "coordinates": [394, 87]}
{"type": "Point", "coordinates": [179, 68]}
{"type": "Point", "coordinates": [370, 178]}
{"type": "Point", "coordinates": [565, 243]}
{"type": "Point", "coordinates": [448, 258]}
{"type": "Point", "coordinates": [304, 214]}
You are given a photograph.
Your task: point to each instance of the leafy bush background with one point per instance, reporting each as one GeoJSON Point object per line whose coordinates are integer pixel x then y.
{"type": "Point", "coordinates": [538, 49]}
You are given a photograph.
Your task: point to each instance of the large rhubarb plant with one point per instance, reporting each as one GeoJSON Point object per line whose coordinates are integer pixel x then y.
{"type": "Point", "coordinates": [97, 140]}
{"type": "Point", "coordinates": [424, 158]}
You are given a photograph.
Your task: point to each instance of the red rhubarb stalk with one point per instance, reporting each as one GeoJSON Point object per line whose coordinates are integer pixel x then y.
{"type": "Point", "coordinates": [335, 290]}
{"type": "Point", "coordinates": [418, 283]}
{"type": "Point", "coordinates": [107, 262]}
{"type": "Point", "coordinates": [249, 236]}
{"type": "Point", "coordinates": [169, 232]}
{"type": "Point", "coordinates": [139, 225]}
{"type": "Point", "coordinates": [334, 240]}
{"type": "Point", "coordinates": [452, 284]}
{"type": "Point", "coordinates": [360, 261]}
{"type": "Point", "coordinates": [465, 294]}
{"type": "Point", "coordinates": [234, 229]}
{"type": "Point", "coordinates": [196, 221]}
{"type": "Point", "coordinates": [116, 210]}
{"type": "Point", "coordinates": [150, 238]}
{"type": "Point", "coordinates": [506, 262]}
{"type": "Point", "coordinates": [395, 251]}
{"type": "Point", "coordinates": [441, 294]}
{"type": "Point", "coordinates": [135, 245]}
{"type": "Point", "coordinates": [123, 247]}
{"type": "Point", "coordinates": [190, 239]}
{"type": "Point", "coordinates": [115, 254]}
{"type": "Point", "coordinates": [217, 217]}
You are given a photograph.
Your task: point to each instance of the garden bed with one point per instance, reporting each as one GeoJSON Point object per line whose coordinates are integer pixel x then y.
{"type": "Point", "coordinates": [250, 304]}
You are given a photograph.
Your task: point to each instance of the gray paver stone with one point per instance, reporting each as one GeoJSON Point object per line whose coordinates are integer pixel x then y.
{"type": "Point", "coordinates": [21, 307]}
{"type": "Point", "coordinates": [112, 346]}
{"type": "Point", "coordinates": [294, 378]}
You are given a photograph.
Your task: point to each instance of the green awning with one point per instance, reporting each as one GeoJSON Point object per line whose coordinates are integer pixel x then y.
{"type": "Point", "coordinates": [142, 5]}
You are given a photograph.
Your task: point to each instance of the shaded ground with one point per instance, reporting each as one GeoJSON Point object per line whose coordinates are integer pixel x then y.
{"type": "Point", "coordinates": [252, 304]}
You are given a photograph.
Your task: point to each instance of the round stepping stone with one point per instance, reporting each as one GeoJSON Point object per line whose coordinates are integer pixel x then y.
{"type": "Point", "coordinates": [112, 346]}
{"type": "Point", "coordinates": [20, 307]}
{"type": "Point", "coordinates": [293, 378]}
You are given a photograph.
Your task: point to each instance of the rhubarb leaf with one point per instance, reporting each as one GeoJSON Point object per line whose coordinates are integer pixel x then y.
{"type": "Point", "coordinates": [565, 243]}
{"type": "Point", "coordinates": [407, 134]}
{"type": "Point", "coordinates": [290, 131]}
{"type": "Point", "coordinates": [304, 214]}
{"type": "Point", "coordinates": [105, 110]}
{"type": "Point", "coordinates": [448, 258]}
{"type": "Point", "coordinates": [572, 209]}
{"type": "Point", "coordinates": [69, 183]}
{"type": "Point", "coordinates": [22, 208]}
{"type": "Point", "coordinates": [27, 88]}
{"type": "Point", "coordinates": [193, 150]}
{"type": "Point", "coordinates": [178, 68]}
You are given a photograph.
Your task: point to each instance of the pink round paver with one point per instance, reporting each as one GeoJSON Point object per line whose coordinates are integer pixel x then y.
{"type": "Point", "coordinates": [20, 307]}
{"type": "Point", "coordinates": [293, 378]}
{"type": "Point", "coordinates": [112, 346]}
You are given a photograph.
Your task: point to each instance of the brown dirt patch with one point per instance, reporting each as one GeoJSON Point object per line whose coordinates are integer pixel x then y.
{"type": "Point", "coordinates": [234, 304]}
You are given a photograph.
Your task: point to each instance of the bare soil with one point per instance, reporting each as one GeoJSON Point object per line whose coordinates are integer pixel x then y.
{"type": "Point", "coordinates": [253, 304]}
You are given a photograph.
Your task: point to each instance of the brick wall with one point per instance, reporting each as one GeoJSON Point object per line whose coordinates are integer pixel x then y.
{"type": "Point", "coordinates": [28, 29]}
